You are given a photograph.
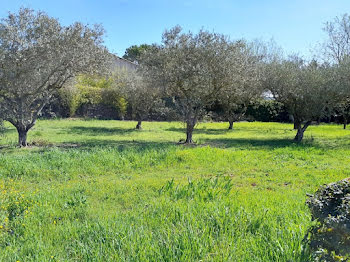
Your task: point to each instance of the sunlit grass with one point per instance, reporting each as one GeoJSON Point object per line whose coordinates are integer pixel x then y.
{"type": "Point", "coordinates": [102, 191]}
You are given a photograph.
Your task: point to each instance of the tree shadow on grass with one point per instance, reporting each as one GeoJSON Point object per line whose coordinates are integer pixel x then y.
{"type": "Point", "coordinates": [96, 145]}
{"type": "Point", "coordinates": [126, 144]}
{"type": "Point", "coordinates": [99, 131]}
{"type": "Point", "coordinates": [222, 131]}
{"type": "Point", "coordinates": [218, 143]}
{"type": "Point", "coordinates": [209, 131]}
{"type": "Point", "coordinates": [244, 143]}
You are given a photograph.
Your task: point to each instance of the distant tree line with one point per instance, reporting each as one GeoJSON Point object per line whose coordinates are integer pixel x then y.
{"type": "Point", "coordinates": [50, 70]}
{"type": "Point", "coordinates": [71, 101]}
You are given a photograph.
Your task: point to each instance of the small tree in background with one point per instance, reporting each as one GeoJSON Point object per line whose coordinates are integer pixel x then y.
{"type": "Point", "coordinates": [343, 110]}
{"type": "Point", "coordinates": [38, 56]}
{"type": "Point", "coordinates": [134, 52]}
{"type": "Point", "coordinates": [142, 96]}
{"type": "Point", "coordinates": [245, 86]}
{"type": "Point", "coordinates": [306, 90]}
{"type": "Point", "coordinates": [336, 50]}
{"type": "Point", "coordinates": [192, 68]}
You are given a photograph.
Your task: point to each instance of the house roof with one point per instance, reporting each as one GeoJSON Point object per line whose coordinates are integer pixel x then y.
{"type": "Point", "coordinates": [124, 63]}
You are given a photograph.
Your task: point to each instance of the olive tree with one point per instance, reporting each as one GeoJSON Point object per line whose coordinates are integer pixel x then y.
{"type": "Point", "coordinates": [245, 84]}
{"type": "Point", "coordinates": [38, 56]}
{"type": "Point", "coordinates": [342, 109]}
{"type": "Point", "coordinates": [142, 96]}
{"type": "Point", "coordinates": [336, 49]}
{"type": "Point", "coordinates": [342, 71]}
{"type": "Point", "coordinates": [307, 90]}
{"type": "Point", "coordinates": [192, 69]}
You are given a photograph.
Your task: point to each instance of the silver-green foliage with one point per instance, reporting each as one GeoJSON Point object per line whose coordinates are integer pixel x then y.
{"type": "Point", "coordinates": [142, 95]}
{"type": "Point", "coordinates": [336, 50]}
{"type": "Point", "coordinates": [308, 90]}
{"type": "Point", "coordinates": [246, 84]}
{"type": "Point", "coordinates": [38, 56]}
{"type": "Point", "coordinates": [192, 68]}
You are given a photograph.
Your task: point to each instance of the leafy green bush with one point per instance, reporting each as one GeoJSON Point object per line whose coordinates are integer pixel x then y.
{"type": "Point", "coordinates": [94, 96]}
{"type": "Point", "coordinates": [329, 238]}
{"type": "Point", "coordinates": [267, 111]}
{"type": "Point", "coordinates": [70, 98]}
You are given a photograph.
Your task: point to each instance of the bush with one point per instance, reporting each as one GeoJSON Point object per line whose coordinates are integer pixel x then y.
{"type": "Point", "coordinates": [88, 96]}
{"type": "Point", "coordinates": [71, 98]}
{"type": "Point", "coordinates": [267, 111]}
{"type": "Point", "coordinates": [329, 238]}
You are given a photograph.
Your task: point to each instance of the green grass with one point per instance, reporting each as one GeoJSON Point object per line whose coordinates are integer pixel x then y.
{"type": "Point", "coordinates": [102, 191]}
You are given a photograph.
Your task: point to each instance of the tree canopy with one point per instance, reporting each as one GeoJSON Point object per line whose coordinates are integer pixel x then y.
{"type": "Point", "coordinates": [38, 56]}
{"type": "Point", "coordinates": [245, 86]}
{"type": "Point", "coordinates": [307, 90]}
{"type": "Point", "coordinates": [192, 69]}
{"type": "Point", "coordinates": [134, 52]}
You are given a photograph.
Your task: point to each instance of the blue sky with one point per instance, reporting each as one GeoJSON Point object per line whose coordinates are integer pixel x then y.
{"type": "Point", "coordinates": [296, 25]}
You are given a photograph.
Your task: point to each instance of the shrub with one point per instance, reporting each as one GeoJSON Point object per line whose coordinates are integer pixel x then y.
{"type": "Point", "coordinates": [329, 238]}
{"type": "Point", "coordinates": [267, 111]}
{"type": "Point", "coordinates": [71, 98]}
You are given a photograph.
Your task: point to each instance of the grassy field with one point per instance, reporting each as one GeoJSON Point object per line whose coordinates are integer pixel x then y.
{"type": "Point", "coordinates": [102, 191]}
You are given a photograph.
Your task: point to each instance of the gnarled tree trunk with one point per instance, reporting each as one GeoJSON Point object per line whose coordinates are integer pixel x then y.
{"type": "Point", "coordinates": [297, 124]}
{"type": "Point", "coordinates": [22, 137]}
{"type": "Point", "coordinates": [301, 129]}
{"type": "Point", "coordinates": [22, 130]}
{"type": "Point", "coordinates": [22, 134]}
{"type": "Point", "coordinates": [189, 132]}
{"type": "Point", "coordinates": [138, 126]}
{"type": "Point", "coordinates": [345, 122]}
{"type": "Point", "coordinates": [230, 127]}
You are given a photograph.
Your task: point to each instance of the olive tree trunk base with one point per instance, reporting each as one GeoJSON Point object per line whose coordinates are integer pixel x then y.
{"type": "Point", "coordinates": [189, 139]}
{"type": "Point", "coordinates": [189, 132]}
{"type": "Point", "coordinates": [230, 127]}
{"type": "Point", "coordinates": [296, 125]}
{"type": "Point", "coordinates": [300, 133]}
{"type": "Point", "coordinates": [22, 137]}
{"type": "Point", "coordinates": [138, 126]}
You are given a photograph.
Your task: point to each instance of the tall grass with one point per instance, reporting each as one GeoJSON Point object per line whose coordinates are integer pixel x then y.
{"type": "Point", "coordinates": [101, 191]}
